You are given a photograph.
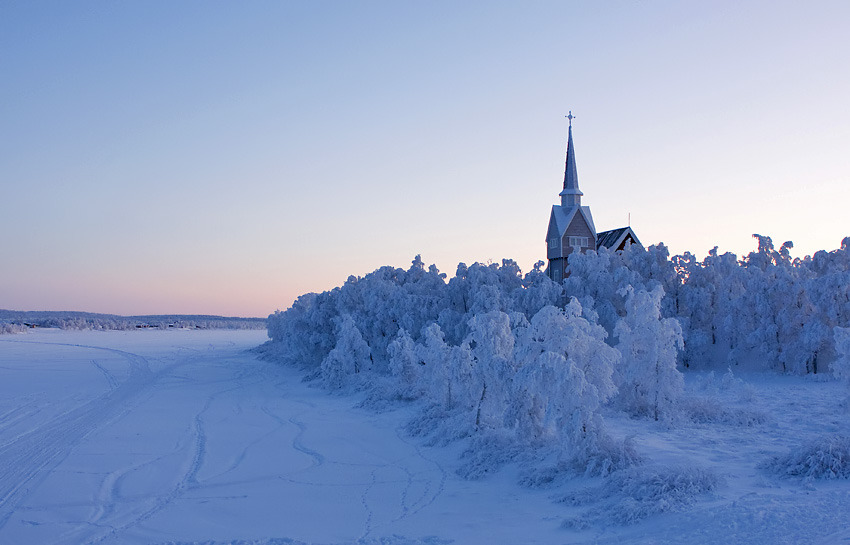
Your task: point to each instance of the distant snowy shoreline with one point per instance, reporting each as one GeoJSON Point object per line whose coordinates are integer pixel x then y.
{"type": "Point", "coordinates": [15, 321]}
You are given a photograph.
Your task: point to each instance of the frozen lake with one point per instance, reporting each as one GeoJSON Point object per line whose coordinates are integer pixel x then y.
{"type": "Point", "coordinates": [184, 437]}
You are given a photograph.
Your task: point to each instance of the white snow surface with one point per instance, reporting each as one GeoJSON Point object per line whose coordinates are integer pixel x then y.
{"type": "Point", "coordinates": [186, 437]}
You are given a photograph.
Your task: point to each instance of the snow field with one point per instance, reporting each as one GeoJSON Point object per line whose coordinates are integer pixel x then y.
{"type": "Point", "coordinates": [748, 500]}
{"type": "Point", "coordinates": [197, 440]}
{"type": "Point", "coordinates": [183, 437]}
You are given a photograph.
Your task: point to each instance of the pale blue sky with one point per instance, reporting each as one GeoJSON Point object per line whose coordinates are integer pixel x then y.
{"type": "Point", "coordinates": [210, 157]}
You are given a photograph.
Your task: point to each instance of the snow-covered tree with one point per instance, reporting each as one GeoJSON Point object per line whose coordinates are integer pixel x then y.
{"type": "Point", "coordinates": [350, 356]}
{"type": "Point", "coordinates": [649, 382]}
{"type": "Point", "coordinates": [492, 345]}
{"type": "Point", "coordinates": [841, 365]}
{"type": "Point", "coordinates": [564, 376]}
{"type": "Point", "coordinates": [304, 334]}
{"type": "Point", "coordinates": [405, 366]}
{"type": "Point", "coordinates": [448, 372]}
{"type": "Point", "coordinates": [536, 292]}
{"type": "Point", "coordinates": [498, 354]}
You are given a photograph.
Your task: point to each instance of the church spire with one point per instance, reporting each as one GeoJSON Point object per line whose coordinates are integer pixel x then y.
{"type": "Point", "coordinates": [571, 195]}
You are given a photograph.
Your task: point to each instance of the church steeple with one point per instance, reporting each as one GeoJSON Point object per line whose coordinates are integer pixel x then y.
{"type": "Point", "coordinates": [571, 227]}
{"type": "Point", "coordinates": [571, 195]}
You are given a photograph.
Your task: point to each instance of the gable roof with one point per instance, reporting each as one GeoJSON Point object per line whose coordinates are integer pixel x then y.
{"type": "Point", "coordinates": [615, 237]}
{"type": "Point", "coordinates": [564, 216]}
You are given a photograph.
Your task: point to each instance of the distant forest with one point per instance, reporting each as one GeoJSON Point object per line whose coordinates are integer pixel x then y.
{"type": "Point", "coordinates": [16, 321]}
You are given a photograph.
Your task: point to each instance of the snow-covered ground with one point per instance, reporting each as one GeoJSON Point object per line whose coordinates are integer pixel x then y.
{"type": "Point", "coordinates": [186, 437]}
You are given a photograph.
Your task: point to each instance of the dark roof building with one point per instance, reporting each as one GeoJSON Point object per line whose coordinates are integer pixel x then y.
{"type": "Point", "coordinates": [617, 239]}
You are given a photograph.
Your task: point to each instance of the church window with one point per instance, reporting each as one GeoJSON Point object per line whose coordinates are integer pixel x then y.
{"type": "Point", "coordinates": [578, 242]}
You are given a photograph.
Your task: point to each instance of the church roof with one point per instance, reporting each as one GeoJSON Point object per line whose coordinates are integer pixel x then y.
{"type": "Point", "coordinates": [570, 171]}
{"type": "Point", "coordinates": [613, 238]}
{"type": "Point", "coordinates": [563, 216]}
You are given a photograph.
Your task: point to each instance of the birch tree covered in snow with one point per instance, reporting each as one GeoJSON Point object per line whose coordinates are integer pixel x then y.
{"type": "Point", "coordinates": [648, 379]}
{"type": "Point", "coordinates": [565, 375]}
{"type": "Point", "coordinates": [493, 358]}
{"type": "Point", "coordinates": [350, 357]}
{"type": "Point", "coordinates": [841, 365]}
{"type": "Point", "coordinates": [405, 366]}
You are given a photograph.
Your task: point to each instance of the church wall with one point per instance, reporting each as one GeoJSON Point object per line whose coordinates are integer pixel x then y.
{"type": "Point", "coordinates": [557, 268]}
{"type": "Point", "coordinates": [577, 228]}
{"type": "Point", "coordinates": [552, 253]}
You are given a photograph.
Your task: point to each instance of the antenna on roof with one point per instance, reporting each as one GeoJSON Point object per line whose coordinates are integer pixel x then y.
{"type": "Point", "coordinates": [630, 220]}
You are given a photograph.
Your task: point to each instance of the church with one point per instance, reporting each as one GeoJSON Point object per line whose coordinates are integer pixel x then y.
{"type": "Point", "coordinates": [571, 227]}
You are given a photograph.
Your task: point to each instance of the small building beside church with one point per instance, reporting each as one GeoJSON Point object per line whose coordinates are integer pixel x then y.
{"type": "Point", "coordinates": [571, 228]}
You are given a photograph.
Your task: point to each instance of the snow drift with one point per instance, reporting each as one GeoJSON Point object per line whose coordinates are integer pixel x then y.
{"type": "Point", "coordinates": [826, 457]}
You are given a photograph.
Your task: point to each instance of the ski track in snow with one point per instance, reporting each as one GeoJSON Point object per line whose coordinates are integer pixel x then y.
{"type": "Point", "coordinates": [428, 496]}
{"type": "Point", "coordinates": [110, 378]}
{"type": "Point", "coordinates": [118, 508]}
{"type": "Point", "coordinates": [196, 451]}
{"type": "Point", "coordinates": [30, 456]}
{"type": "Point", "coordinates": [186, 481]}
{"type": "Point", "coordinates": [28, 410]}
{"type": "Point", "coordinates": [298, 441]}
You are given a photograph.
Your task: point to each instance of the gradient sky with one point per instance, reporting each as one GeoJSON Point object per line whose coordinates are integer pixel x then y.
{"type": "Point", "coordinates": [223, 158]}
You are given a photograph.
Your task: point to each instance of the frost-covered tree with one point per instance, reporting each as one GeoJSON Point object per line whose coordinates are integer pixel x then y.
{"type": "Point", "coordinates": [595, 277]}
{"type": "Point", "coordinates": [536, 292]}
{"type": "Point", "coordinates": [649, 382]}
{"type": "Point", "coordinates": [709, 306]}
{"type": "Point", "coordinates": [770, 286]}
{"type": "Point", "coordinates": [448, 372]}
{"type": "Point", "coordinates": [492, 344]}
{"type": "Point", "coordinates": [351, 356]}
{"type": "Point", "coordinates": [765, 308]}
{"type": "Point", "coordinates": [564, 376]}
{"type": "Point", "coordinates": [493, 353]}
{"type": "Point", "coordinates": [405, 366]}
{"type": "Point", "coordinates": [304, 334]}
{"type": "Point", "coordinates": [827, 287]}
{"type": "Point", "coordinates": [841, 365]}
{"type": "Point", "coordinates": [654, 265]}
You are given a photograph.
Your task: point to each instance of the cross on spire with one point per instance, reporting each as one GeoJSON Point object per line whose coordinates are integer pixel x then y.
{"type": "Point", "coordinates": [571, 195]}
